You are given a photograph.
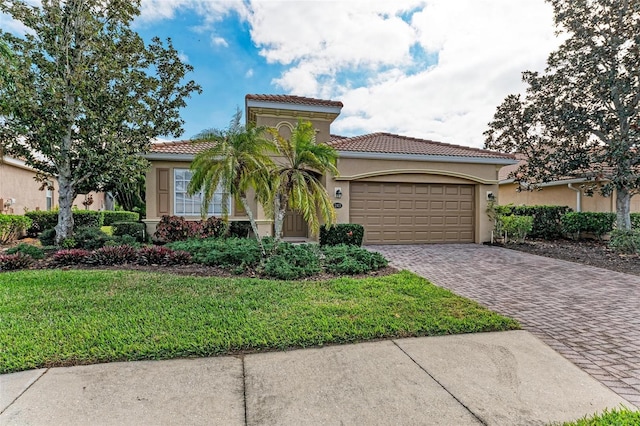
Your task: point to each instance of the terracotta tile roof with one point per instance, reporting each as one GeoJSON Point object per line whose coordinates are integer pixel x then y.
{"type": "Point", "coordinates": [396, 144]}
{"type": "Point", "coordinates": [179, 147]}
{"type": "Point", "coordinates": [298, 100]}
{"type": "Point", "coordinates": [503, 173]}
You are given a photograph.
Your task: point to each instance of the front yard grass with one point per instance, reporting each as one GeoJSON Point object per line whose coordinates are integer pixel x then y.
{"type": "Point", "coordinates": [70, 317]}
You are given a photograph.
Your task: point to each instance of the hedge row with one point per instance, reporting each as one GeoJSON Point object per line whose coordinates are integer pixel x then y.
{"type": "Point", "coordinates": [12, 227]}
{"type": "Point", "coordinates": [551, 222]}
{"type": "Point", "coordinates": [43, 220]}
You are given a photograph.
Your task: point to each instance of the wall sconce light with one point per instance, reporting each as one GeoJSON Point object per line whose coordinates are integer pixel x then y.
{"type": "Point", "coordinates": [338, 193]}
{"type": "Point", "coordinates": [491, 196]}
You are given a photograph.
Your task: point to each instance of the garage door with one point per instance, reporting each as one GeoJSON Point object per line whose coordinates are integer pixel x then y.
{"type": "Point", "coordinates": [401, 213]}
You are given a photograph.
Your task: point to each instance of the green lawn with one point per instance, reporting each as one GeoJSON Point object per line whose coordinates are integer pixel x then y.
{"type": "Point", "coordinates": [55, 317]}
{"type": "Point", "coordinates": [616, 417]}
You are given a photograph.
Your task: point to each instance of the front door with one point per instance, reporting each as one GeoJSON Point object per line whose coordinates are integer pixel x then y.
{"type": "Point", "coordinates": [294, 225]}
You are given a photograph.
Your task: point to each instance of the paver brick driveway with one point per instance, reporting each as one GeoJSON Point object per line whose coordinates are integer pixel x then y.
{"type": "Point", "coordinates": [589, 315]}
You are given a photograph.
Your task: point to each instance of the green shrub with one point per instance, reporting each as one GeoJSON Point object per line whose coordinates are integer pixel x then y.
{"type": "Point", "coordinates": [134, 229]}
{"type": "Point", "coordinates": [87, 219]}
{"type": "Point", "coordinates": [635, 220]}
{"type": "Point", "coordinates": [124, 240]}
{"type": "Point", "coordinates": [68, 257]}
{"type": "Point", "coordinates": [341, 233]}
{"type": "Point", "coordinates": [547, 220]}
{"type": "Point", "coordinates": [12, 227]}
{"type": "Point", "coordinates": [624, 241]}
{"type": "Point", "coordinates": [43, 220]}
{"type": "Point", "coordinates": [28, 249]}
{"type": "Point", "coordinates": [239, 229]}
{"type": "Point", "coordinates": [225, 252]}
{"type": "Point", "coordinates": [598, 224]}
{"type": "Point", "coordinates": [12, 262]}
{"type": "Point", "coordinates": [351, 260]}
{"type": "Point", "coordinates": [90, 238]}
{"type": "Point", "coordinates": [517, 226]}
{"type": "Point", "coordinates": [119, 216]}
{"type": "Point", "coordinates": [292, 262]}
{"type": "Point", "coordinates": [48, 237]}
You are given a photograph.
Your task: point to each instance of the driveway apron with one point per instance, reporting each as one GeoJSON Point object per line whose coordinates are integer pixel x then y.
{"type": "Point", "coordinates": [589, 315]}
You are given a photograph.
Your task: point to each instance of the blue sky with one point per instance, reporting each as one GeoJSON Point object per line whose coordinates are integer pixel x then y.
{"type": "Point", "coordinates": [433, 69]}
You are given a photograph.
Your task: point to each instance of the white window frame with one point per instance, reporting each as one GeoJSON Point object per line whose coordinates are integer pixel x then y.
{"type": "Point", "coordinates": [48, 196]}
{"type": "Point", "coordinates": [185, 205]}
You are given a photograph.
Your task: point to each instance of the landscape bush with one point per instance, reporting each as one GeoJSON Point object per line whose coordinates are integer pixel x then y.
{"type": "Point", "coordinates": [225, 252]}
{"type": "Point", "coordinates": [158, 255]}
{"type": "Point", "coordinates": [341, 233]}
{"type": "Point", "coordinates": [47, 237]}
{"type": "Point", "coordinates": [12, 227]}
{"type": "Point", "coordinates": [635, 221]}
{"type": "Point", "coordinates": [13, 262]}
{"type": "Point", "coordinates": [133, 229]}
{"type": "Point", "coordinates": [89, 238]}
{"type": "Point", "coordinates": [292, 262]}
{"type": "Point", "coordinates": [239, 229]}
{"type": "Point", "coordinates": [624, 241]}
{"type": "Point", "coordinates": [598, 224]}
{"type": "Point", "coordinates": [177, 228]}
{"type": "Point", "coordinates": [350, 260]}
{"type": "Point", "coordinates": [113, 255]}
{"type": "Point", "coordinates": [517, 226]}
{"type": "Point", "coordinates": [67, 257]}
{"type": "Point", "coordinates": [119, 216]}
{"type": "Point", "coordinates": [547, 220]}
{"type": "Point", "coordinates": [28, 249]}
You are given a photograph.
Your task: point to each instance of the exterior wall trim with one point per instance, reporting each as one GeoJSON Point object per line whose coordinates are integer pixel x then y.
{"type": "Point", "coordinates": [292, 107]}
{"type": "Point", "coordinates": [420, 157]}
{"type": "Point", "coordinates": [416, 171]}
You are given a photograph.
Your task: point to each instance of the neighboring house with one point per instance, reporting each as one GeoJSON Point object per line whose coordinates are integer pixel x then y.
{"type": "Point", "coordinates": [19, 191]}
{"type": "Point", "coordinates": [403, 190]}
{"type": "Point", "coordinates": [561, 192]}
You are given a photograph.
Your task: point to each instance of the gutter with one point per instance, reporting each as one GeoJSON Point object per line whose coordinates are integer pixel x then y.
{"type": "Point", "coordinates": [578, 197]}
{"type": "Point", "coordinates": [423, 157]}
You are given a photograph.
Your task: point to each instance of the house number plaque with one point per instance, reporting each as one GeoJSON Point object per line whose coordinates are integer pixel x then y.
{"type": "Point", "coordinates": [337, 205]}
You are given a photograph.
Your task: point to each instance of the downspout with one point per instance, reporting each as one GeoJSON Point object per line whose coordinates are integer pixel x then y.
{"type": "Point", "coordinates": [578, 197]}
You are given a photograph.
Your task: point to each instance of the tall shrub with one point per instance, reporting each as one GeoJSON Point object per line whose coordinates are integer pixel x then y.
{"type": "Point", "coordinates": [12, 227]}
{"type": "Point", "coordinates": [547, 220]}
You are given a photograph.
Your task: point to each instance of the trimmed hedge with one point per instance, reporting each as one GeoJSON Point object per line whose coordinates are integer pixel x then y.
{"type": "Point", "coordinates": [110, 217]}
{"type": "Point", "coordinates": [12, 227]}
{"type": "Point", "coordinates": [134, 229]}
{"type": "Point", "coordinates": [598, 224]}
{"type": "Point", "coordinates": [341, 233]}
{"type": "Point", "coordinates": [547, 220]}
{"type": "Point", "coordinates": [635, 220]}
{"type": "Point", "coordinates": [43, 220]}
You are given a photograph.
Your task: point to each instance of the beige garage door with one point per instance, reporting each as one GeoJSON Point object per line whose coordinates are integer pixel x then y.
{"type": "Point", "coordinates": [402, 213]}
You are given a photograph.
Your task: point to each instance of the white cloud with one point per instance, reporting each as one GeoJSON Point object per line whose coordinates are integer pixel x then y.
{"type": "Point", "coordinates": [219, 41]}
{"type": "Point", "coordinates": [481, 48]}
{"type": "Point", "coordinates": [249, 73]}
{"type": "Point", "coordinates": [183, 57]}
{"type": "Point", "coordinates": [210, 11]}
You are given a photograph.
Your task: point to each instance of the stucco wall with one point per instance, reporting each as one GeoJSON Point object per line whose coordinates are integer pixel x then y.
{"type": "Point", "coordinates": [17, 182]}
{"type": "Point", "coordinates": [561, 195]}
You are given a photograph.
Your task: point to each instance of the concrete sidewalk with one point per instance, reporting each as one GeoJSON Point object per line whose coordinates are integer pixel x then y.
{"type": "Point", "coordinates": [506, 378]}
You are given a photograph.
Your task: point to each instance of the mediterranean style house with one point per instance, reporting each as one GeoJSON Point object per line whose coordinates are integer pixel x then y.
{"type": "Point", "coordinates": [402, 190]}
{"type": "Point", "coordinates": [19, 192]}
{"type": "Point", "coordinates": [561, 192]}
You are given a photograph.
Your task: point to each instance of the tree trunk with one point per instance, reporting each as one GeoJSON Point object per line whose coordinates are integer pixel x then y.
{"type": "Point", "coordinates": [623, 208]}
{"type": "Point", "coordinates": [252, 221]}
{"type": "Point", "coordinates": [280, 210]}
{"type": "Point", "coordinates": [64, 228]}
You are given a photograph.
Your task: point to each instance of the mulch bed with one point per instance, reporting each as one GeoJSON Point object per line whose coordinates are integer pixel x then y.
{"type": "Point", "coordinates": [588, 252]}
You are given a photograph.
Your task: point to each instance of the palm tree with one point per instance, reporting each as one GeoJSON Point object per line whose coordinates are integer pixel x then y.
{"type": "Point", "coordinates": [237, 159]}
{"type": "Point", "coordinates": [296, 180]}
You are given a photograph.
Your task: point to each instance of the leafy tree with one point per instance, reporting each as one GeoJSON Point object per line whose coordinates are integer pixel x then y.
{"type": "Point", "coordinates": [89, 95]}
{"type": "Point", "coordinates": [237, 160]}
{"type": "Point", "coordinates": [579, 119]}
{"type": "Point", "coordinates": [297, 177]}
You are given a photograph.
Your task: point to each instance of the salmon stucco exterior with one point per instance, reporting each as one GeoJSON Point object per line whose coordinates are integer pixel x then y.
{"type": "Point", "coordinates": [401, 189]}
{"type": "Point", "coordinates": [20, 192]}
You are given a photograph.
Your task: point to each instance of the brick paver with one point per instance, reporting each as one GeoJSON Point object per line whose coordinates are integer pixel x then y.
{"type": "Point", "coordinates": [589, 315]}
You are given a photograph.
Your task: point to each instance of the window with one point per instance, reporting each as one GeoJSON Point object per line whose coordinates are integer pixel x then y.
{"type": "Point", "coordinates": [49, 195]}
{"type": "Point", "coordinates": [186, 205]}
